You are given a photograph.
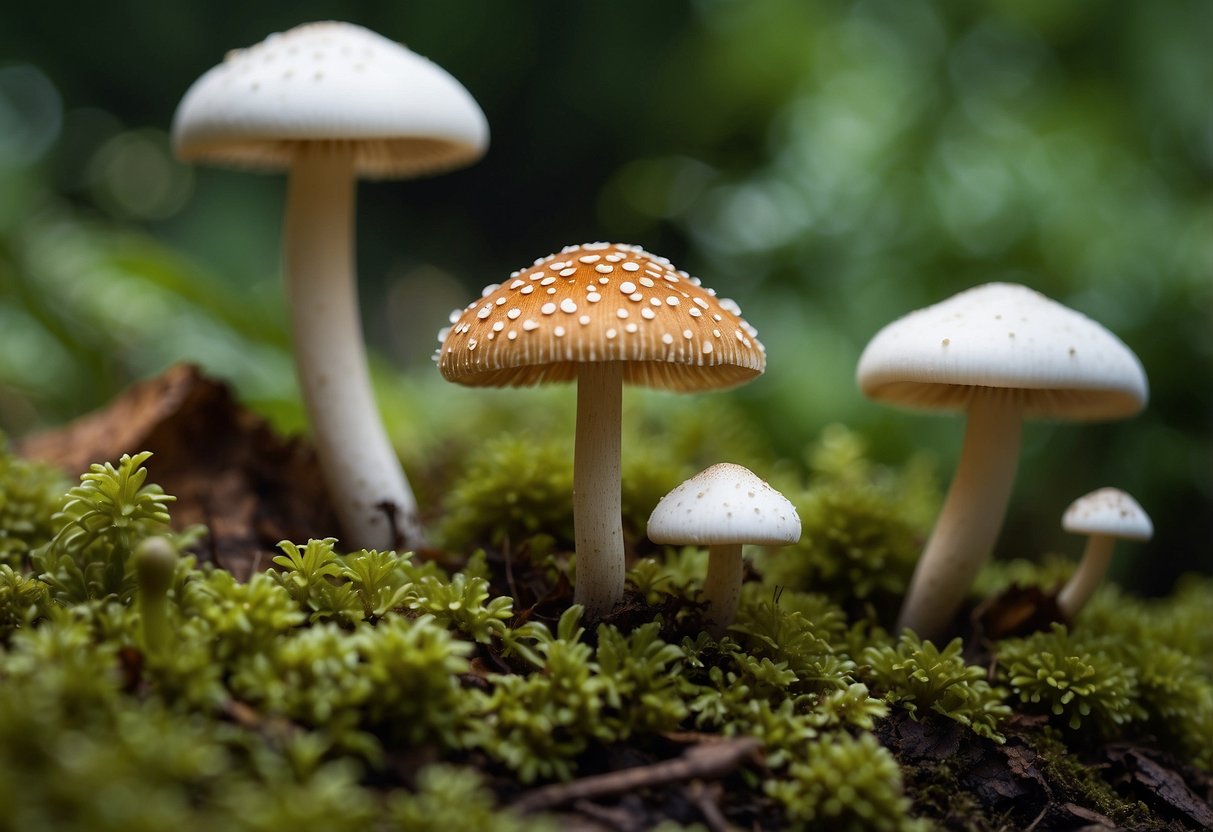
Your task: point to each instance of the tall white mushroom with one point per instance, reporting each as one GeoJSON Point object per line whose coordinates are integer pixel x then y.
{"type": "Point", "coordinates": [1106, 515]}
{"type": "Point", "coordinates": [329, 102]}
{"type": "Point", "coordinates": [1001, 353]}
{"type": "Point", "coordinates": [723, 508]}
{"type": "Point", "coordinates": [602, 315]}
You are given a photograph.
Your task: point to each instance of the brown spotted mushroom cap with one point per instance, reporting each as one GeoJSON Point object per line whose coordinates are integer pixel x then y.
{"type": "Point", "coordinates": [601, 302]}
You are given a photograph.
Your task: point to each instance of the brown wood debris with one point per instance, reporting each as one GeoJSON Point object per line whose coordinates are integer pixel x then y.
{"type": "Point", "coordinates": [228, 470]}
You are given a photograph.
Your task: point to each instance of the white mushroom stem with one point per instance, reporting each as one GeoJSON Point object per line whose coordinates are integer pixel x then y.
{"type": "Point", "coordinates": [971, 517]}
{"type": "Point", "coordinates": [1087, 577]}
{"type": "Point", "coordinates": [722, 586]}
{"type": "Point", "coordinates": [597, 511]}
{"type": "Point", "coordinates": [373, 500]}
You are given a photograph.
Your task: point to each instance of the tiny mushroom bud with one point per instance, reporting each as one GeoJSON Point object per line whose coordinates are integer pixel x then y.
{"type": "Point", "coordinates": [329, 102]}
{"type": "Point", "coordinates": [1001, 353]}
{"type": "Point", "coordinates": [1106, 515]}
{"type": "Point", "coordinates": [601, 314]}
{"type": "Point", "coordinates": [724, 507]}
{"type": "Point", "coordinates": [155, 561]}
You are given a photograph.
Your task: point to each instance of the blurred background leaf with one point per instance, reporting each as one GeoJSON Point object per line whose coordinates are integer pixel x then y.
{"type": "Point", "coordinates": [829, 165]}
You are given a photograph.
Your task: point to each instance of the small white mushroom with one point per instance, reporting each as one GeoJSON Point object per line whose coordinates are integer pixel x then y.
{"type": "Point", "coordinates": [1002, 353]}
{"type": "Point", "coordinates": [724, 507]}
{"type": "Point", "coordinates": [1106, 515]}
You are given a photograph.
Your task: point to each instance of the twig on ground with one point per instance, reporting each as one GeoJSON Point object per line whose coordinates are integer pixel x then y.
{"type": "Point", "coordinates": [708, 761]}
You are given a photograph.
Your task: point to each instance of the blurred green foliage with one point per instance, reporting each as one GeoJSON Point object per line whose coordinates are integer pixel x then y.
{"type": "Point", "coordinates": [830, 165]}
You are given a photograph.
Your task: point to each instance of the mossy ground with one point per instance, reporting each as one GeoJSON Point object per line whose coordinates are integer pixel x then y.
{"type": "Point", "coordinates": [380, 690]}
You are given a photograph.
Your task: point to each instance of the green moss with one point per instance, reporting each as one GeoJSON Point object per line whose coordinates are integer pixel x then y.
{"type": "Point", "coordinates": [292, 698]}
{"type": "Point", "coordinates": [510, 488]}
{"type": "Point", "coordinates": [918, 676]}
{"type": "Point", "coordinates": [862, 525]}
{"type": "Point", "coordinates": [102, 520]}
{"type": "Point", "coordinates": [1074, 679]}
{"type": "Point", "coordinates": [451, 798]}
{"type": "Point", "coordinates": [845, 783]}
{"type": "Point", "coordinates": [30, 495]}
{"type": "Point", "coordinates": [23, 600]}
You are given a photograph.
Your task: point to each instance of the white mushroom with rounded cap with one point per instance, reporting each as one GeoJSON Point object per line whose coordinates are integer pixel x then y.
{"type": "Point", "coordinates": [329, 102]}
{"type": "Point", "coordinates": [1106, 515]}
{"type": "Point", "coordinates": [1001, 353]}
{"type": "Point", "coordinates": [602, 314]}
{"type": "Point", "coordinates": [723, 508]}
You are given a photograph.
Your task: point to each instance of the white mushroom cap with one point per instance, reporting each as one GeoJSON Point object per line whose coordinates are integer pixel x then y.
{"type": "Point", "coordinates": [1059, 363]}
{"type": "Point", "coordinates": [725, 504]}
{"type": "Point", "coordinates": [1109, 512]}
{"type": "Point", "coordinates": [330, 81]}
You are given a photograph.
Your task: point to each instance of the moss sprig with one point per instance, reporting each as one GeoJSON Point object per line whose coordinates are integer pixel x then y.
{"type": "Point", "coordinates": [1073, 679]}
{"type": "Point", "coordinates": [102, 520]}
{"type": "Point", "coordinates": [30, 495]}
{"type": "Point", "coordinates": [845, 783]}
{"type": "Point", "coordinates": [919, 677]}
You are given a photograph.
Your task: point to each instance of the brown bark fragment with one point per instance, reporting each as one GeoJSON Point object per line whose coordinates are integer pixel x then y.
{"type": "Point", "coordinates": [228, 470]}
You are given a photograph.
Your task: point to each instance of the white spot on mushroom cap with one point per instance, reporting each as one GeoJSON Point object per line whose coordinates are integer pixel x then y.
{"type": "Point", "coordinates": [728, 504]}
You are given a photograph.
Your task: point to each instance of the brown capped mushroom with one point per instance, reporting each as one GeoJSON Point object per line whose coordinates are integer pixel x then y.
{"type": "Point", "coordinates": [601, 314]}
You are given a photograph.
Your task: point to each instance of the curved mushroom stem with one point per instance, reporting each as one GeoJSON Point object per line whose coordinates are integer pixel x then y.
{"type": "Point", "coordinates": [722, 586]}
{"type": "Point", "coordinates": [597, 509]}
{"type": "Point", "coordinates": [1087, 577]}
{"type": "Point", "coordinates": [365, 481]}
{"type": "Point", "coordinates": [971, 517]}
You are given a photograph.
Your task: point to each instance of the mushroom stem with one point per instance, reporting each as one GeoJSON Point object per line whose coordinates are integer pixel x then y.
{"type": "Point", "coordinates": [971, 517]}
{"type": "Point", "coordinates": [722, 586]}
{"type": "Point", "coordinates": [597, 510]}
{"type": "Point", "coordinates": [365, 481]}
{"type": "Point", "coordinates": [1087, 577]}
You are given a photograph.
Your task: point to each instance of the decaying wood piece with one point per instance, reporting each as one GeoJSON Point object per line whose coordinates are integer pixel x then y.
{"type": "Point", "coordinates": [228, 470]}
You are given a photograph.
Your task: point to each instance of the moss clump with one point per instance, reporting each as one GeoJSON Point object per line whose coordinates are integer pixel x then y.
{"type": "Point", "coordinates": [23, 600]}
{"type": "Point", "coordinates": [511, 488]}
{"type": "Point", "coordinates": [102, 519]}
{"type": "Point", "coordinates": [846, 783]}
{"type": "Point", "coordinates": [862, 525]}
{"type": "Point", "coordinates": [1075, 680]}
{"type": "Point", "coordinates": [451, 798]}
{"type": "Point", "coordinates": [918, 676]}
{"type": "Point", "coordinates": [30, 496]}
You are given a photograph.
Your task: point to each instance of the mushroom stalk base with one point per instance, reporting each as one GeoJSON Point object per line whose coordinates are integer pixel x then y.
{"type": "Point", "coordinates": [722, 586]}
{"type": "Point", "coordinates": [597, 510]}
{"type": "Point", "coordinates": [365, 481]}
{"type": "Point", "coordinates": [1087, 577]}
{"type": "Point", "coordinates": [971, 517]}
